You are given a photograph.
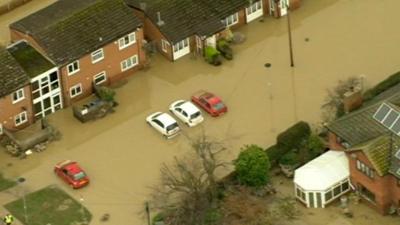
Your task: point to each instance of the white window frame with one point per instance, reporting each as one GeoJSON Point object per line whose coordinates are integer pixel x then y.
{"type": "Point", "coordinates": [127, 40]}
{"type": "Point", "coordinates": [101, 74]}
{"type": "Point", "coordinates": [181, 45]}
{"type": "Point", "coordinates": [231, 20]}
{"type": "Point", "coordinates": [97, 55]}
{"type": "Point", "coordinates": [71, 67]}
{"type": "Point", "coordinates": [74, 88]}
{"type": "Point", "coordinates": [23, 117]}
{"type": "Point", "coordinates": [18, 95]}
{"type": "Point", "coordinates": [164, 45]}
{"type": "Point", "coordinates": [256, 6]}
{"type": "Point", "coordinates": [129, 63]}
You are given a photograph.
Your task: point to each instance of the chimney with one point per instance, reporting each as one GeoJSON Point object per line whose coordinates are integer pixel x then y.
{"type": "Point", "coordinates": [352, 99]}
{"type": "Point", "coordinates": [159, 21]}
{"type": "Point", "coordinates": [143, 6]}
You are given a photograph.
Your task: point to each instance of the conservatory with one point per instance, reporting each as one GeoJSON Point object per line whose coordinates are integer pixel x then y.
{"type": "Point", "coordinates": [323, 179]}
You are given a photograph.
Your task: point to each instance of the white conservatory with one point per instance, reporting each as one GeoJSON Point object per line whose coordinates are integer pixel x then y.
{"type": "Point", "coordinates": [323, 179]}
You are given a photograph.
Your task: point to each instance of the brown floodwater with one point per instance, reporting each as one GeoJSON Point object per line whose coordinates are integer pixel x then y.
{"type": "Point", "coordinates": [123, 155]}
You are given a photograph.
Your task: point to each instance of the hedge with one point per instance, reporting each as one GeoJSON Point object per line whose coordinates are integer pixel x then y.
{"type": "Point", "coordinates": [294, 136]}
{"type": "Point", "coordinates": [382, 86]}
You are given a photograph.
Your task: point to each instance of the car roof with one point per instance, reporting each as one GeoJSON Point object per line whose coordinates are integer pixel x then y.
{"type": "Point", "coordinates": [166, 119]}
{"type": "Point", "coordinates": [189, 107]}
{"type": "Point", "coordinates": [73, 168]}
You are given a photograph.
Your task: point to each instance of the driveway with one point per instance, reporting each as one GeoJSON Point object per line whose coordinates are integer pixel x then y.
{"type": "Point", "coordinates": [122, 155]}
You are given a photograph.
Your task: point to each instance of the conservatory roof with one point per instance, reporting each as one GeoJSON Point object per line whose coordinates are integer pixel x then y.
{"type": "Point", "coordinates": [323, 172]}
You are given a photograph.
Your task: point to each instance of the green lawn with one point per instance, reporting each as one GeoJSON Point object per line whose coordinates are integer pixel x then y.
{"type": "Point", "coordinates": [6, 183]}
{"type": "Point", "coordinates": [50, 205]}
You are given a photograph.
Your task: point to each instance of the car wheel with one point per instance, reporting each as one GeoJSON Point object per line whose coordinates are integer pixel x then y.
{"type": "Point", "coordinates": [148, 123]}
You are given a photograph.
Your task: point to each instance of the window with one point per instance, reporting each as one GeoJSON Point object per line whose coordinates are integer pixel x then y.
{"type": "Point", "coordinates": [127, 40]}
{"type": "Point", "coordinates": [345, 186]}
{"type": "Point", "coordinates": [337, 190]}
{"type": "Point", "coordinates": [18, 96]}
{"type": "Point", "coordinates": [97, 55]}
{"type": "Point", "coordinates": [365, 169]}
{"type": "Point", "coordinates": [164, 45]}
{"type": "Point", "coordinates": [254, 7]}
{"type": "Point", "coordinates": [367, 194]}
{"type": "Point", "coordinates": [20, 118]}
{"type": "Point", "coordinates": [328, 196]}
{"type": "Point", "coordinates": [73, 67]}
{"type": "Point", "coordinates": [99, 78]}
{"type": "Point", "coordinates": [129, 63]}
{"type": "Point", "coordinates": [75, 90]}
{"type": "Point", "coordinates": [231, 20]}
{"type": "Point", "coordinates": [181, 45]}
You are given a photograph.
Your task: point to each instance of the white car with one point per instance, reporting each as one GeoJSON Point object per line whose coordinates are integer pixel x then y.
{"type": "Point", "coordinates": [164, 123]}
{"type": "Point", "coordinates": [187, 112]}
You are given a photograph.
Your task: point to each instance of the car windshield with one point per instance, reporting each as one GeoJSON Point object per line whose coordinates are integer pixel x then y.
{"type": "Point", "coordinates": [172, 126]}
{"type": "Point", "coordinates": [219, 106]}
{"type": "Point", "coordinates": [195, 115]}
{"type": "Point", "coordinates": [79, 175]}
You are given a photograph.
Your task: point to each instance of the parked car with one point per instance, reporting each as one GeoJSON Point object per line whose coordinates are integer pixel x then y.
{"type": "Point", "coordinates": [71, 173]}
{"type": "Point", "coordinates": [209, 102]}
{"type": "Point", "coordinates": [187, 112]}
{"type": "Point", "coordinates": [164, 123]}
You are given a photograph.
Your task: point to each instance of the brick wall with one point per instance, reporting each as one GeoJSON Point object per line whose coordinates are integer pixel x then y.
{"type": "Point", "coordinates": [8, 110]}
{"type": "Point", "coordinates": [111, 64]}
{"type": "Point", "coordinates": [333, 143]}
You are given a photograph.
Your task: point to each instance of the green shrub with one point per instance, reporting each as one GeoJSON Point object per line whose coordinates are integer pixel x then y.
{"type": "Point", "coordinates": [105, 93]}
{"type": "Point", "coordinates": [252, 166]}
{"type": "Point", "coordinates": [291, 159]}
{"type": "Point", "coordinates": [212, 55]}
{"type": "Point", "coordinates": [382, 86]}
{"type": "Point", "coordinates": [213, 216]}
{"type": "Point", "coordinates": [274, 154]}
{"type": "Point", "coordinates": [157, 218]}
{"type": "Point", "coordinates": [315, 146]}
{"type": "Point", "coordinates": [293, 137]}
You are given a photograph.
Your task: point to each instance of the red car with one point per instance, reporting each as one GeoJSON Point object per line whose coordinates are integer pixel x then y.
{"type": "Point", "coordinates": [71, 173]}
{"type": "Point", "coordinates": [209, 102]}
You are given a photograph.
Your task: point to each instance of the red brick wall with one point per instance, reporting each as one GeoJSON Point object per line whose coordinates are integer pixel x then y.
{"type": "Point", "coordinates": [332, 141]}
{"type": "Point", "coordinates": [8, 110]}
{"type": "Point", "coordinates": [153, 34]}
{"type": "Point", "coordinates": [111, 64]}
{"type": "Point", "coordinates": [380, 186]}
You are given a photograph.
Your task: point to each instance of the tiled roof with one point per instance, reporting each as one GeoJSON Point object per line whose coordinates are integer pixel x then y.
{"type": "Point", "coordinates": [225, 8]}
{"type": "Point", "coordinates": [182, 18]}
{"type": "Point", "coordinates": [12, 76]}
{"type": "Point", "coordinates": [30, 60]}
{"type": "Point", "coordinates": [70, 29]}
{"type": "Point", "coordinates": [359, 126]}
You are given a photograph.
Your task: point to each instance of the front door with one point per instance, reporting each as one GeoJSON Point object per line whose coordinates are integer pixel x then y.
{"type": "Point", "coordinates": [254, 11]}
{"type": "Point", "coordinates": [283, 5]}
{"type": "Point", "coordinates": [181, 48]}
{"type": "Point", "coordinates": [199, 45]}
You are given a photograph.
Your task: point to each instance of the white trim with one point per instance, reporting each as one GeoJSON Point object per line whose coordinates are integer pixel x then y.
{"type": "Point", "coordinates": [19, 94]}
{"type": "Point", "coordinates": [165, 45]}
{"type": "Point", "coordinates": [129, 63]}
{"type": "Point", "coordinates": [23, 117]}
{"type": "Point", "coordinates": [1, 128]}
{"type": "Point", "coordinates": [73, 70]}
{"type": "Point", "coordinates": [101, 74]}
{"type": "Point", "coordinates": [231, 20]}
{"type": "Point", "coordinates": [127, 40]}
{"type": "Point", "coordinates": [98, 53]}
{"type": "Point", "coordinates": [181, 48]}
{"type": "Point", "coordinates": [254, 11]}
{"type": "Point", "coordinates": [77, 88]}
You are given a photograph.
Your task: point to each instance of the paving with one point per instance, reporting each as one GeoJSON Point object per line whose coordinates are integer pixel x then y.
{"type": "Point", "coordinates": [123, 155]}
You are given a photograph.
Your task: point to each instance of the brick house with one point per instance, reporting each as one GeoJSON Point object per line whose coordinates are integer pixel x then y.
{"type": "Point", "coordinates": [180, 27]}
{"type": "Point", "coordinates": [373, 152]}
{"type": "Point", "coordinates": [15, 102]}
{"type": "Point", "coordinates": [91, 42]}
{"type": "Point", "coordinates": [177, 27]}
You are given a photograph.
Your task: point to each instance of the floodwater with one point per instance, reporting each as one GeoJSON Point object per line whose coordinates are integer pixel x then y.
{"type": "Point", "coordinates": [122, 154]}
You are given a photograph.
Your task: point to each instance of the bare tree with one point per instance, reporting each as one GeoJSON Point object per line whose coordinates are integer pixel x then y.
{"type": "Point", "coordinates": [188, 188]}
{"type": "Point", "coordinates": [334, 99]}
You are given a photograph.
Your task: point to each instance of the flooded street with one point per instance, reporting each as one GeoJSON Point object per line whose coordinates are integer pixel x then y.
{"type": "Point", "coordinates": [122, 155]}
